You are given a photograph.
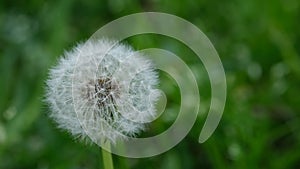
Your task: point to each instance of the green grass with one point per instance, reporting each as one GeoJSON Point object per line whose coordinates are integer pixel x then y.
{"type": "Point", "coordinates": [258, 43]}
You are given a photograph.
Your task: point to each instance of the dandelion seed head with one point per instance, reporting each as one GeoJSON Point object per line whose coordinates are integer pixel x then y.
{"type": "Point", "coordinates": [102, 89]}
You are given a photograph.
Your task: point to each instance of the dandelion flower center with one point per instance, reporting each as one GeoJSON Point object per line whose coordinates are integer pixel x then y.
{"type": "Point", "coordinates": [103, 92]}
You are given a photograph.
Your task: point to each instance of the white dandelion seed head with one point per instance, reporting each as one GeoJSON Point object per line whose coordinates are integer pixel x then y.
{"type": "Point", "coordinates": [102, 90]}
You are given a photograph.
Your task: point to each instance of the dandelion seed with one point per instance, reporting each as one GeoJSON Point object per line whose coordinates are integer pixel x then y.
{"type": "Point", "coordinates": [102, 89]}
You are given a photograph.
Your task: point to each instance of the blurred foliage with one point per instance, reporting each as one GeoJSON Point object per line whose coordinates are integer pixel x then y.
{"type": "Point", "coordinates": [258, 42]}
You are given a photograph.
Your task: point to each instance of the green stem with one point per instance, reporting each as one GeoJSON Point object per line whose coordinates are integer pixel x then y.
{"type": "Point", "coordinates": [107, 158]}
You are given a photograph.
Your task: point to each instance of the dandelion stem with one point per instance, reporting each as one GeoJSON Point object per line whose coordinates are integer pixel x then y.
{"type": "Point", "coordinates": [107, 158]}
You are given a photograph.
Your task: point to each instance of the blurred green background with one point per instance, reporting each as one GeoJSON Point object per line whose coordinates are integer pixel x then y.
{"type": "Point", "coordinates": [258, 43]}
